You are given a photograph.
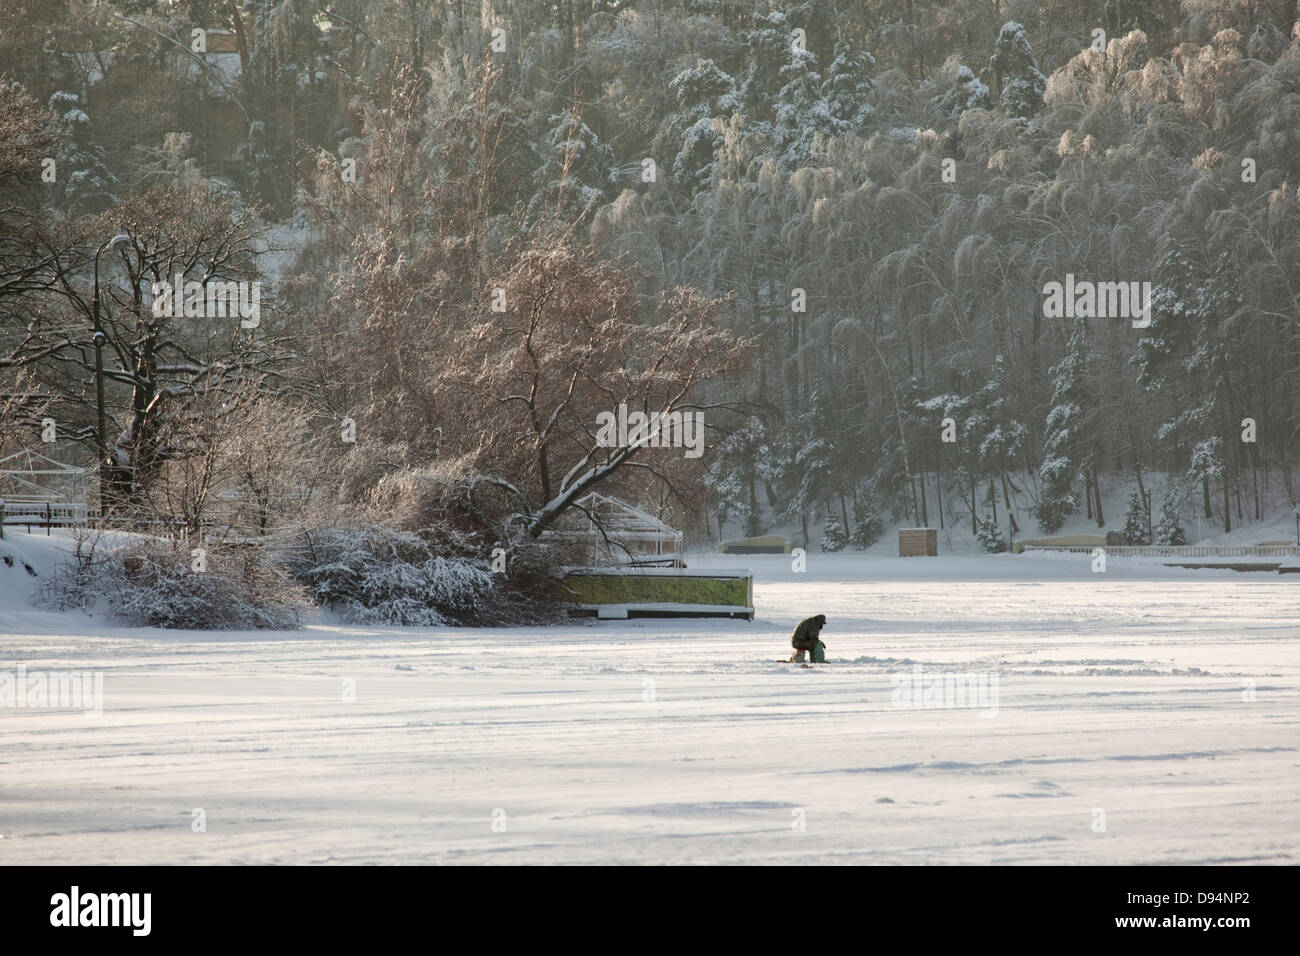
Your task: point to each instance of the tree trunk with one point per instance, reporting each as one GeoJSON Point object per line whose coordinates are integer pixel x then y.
{"type": "Point", "coordinates": [1006, 498]}
{"type": "Point", "coordinates": [974, 529]}
{"type": "Point", "coordinates": [241, 41]}
{"type": "Point", "coordinates": [752, 525]}
{"type": "Point", "coordinates": [938, 497]}
{"type": "Point", "coordinates": [1254, 474]}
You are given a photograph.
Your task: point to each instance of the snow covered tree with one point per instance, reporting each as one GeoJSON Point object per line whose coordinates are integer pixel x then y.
{"type": "Point", "coordinates": [847, 87]}
{"type": "Point", "coordinates": [1136, 530]}
{"type": "Point", "coordinates": [577, 172]}
{"type": "Point", "coordinates": [999, 435]}
{"type": "Point", "coordinates": [1013, 63]}
{"type": "Point", "coordinates": [83, 183]}
{"type": "Point", "coordinates": [291, 88]}
{"type": "Point", "coordinates": [574, 342]}
{"type": "Point", "coordinates": [158, 366]}
{"type": "Point", "coordinates": [814, 469]}
{"type": "Point", "coordinates": [769, 50]}
{"type": "Point", "coordinates": [990, 535]}
{"type": "Point", "coordinates": [26, 139]}
{"type": "Point", "coordinates": [705, 96]}
{"type": "Point", "coordinates": [804, 477]}
{"type": "Point", "coordinates": [1206, 466]}
{"type": "Point", "coordinates": [1169, 529]}
{"type": "Point", "coordinates": [965, 91]}
{"type": "Point", "coordinates": [867, 525]}
{"type": "Point", "coordinates": [961, 456]}
{"type": "Point", "coordinates": [833, 536]}
{"type": "Point", "coordinates": [1064, 451]}
{"type": "Point", "coordinates": [782, 91]}
{"type": "Point", "coordinates": [991, 436]}
{"type": "Point", "coordinates": [801, 113]}
{"type": "Point", "coordinates": [741, 462]}
{"type": "Point", "coordinates": [1185, 356]}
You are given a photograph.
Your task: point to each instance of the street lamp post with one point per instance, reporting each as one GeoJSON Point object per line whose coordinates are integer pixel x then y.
{"type": "Point", "coordinates": [99, 338]}
{"type": "Point", "coordinates": [1297, 525]}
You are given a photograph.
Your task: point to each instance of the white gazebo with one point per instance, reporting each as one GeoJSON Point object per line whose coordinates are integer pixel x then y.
{"type": "Point", "coordinates": [37, 490]}
{"type": "Point", "coordinates": [620, 531]}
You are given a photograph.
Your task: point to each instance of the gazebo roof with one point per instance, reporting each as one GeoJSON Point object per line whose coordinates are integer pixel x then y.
{"type": "Point", "coordinates": [616, 518]}
{"type": "Point", "coordinates": [22, 467]}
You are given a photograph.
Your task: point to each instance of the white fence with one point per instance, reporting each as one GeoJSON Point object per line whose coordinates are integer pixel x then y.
{"type": "Point", "coordinates": [1177, 551]}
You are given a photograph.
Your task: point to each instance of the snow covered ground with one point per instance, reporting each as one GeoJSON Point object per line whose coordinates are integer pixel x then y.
{"type": "Point", "coordinates": [653, 741]}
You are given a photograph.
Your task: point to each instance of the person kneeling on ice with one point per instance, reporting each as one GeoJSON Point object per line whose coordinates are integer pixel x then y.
{"type": "Point", "coordinates": [805, 638]}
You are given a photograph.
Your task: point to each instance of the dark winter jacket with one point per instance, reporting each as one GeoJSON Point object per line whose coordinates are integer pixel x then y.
{"type": "Point", "coordinates": [806, 634]}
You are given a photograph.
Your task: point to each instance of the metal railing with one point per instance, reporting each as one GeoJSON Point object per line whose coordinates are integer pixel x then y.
{"type": "Point", "coordinates": [44, 514]}
{"type": "Point", "coordinates": [1176, 551]}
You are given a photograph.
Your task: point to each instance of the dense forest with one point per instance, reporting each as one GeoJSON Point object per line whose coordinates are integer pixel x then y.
{"type": "Point", "coordinates": [828, 227]}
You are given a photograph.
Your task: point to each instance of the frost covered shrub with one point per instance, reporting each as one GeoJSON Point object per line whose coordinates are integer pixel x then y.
{"type": "Point", "coordinates": [833, 536]}
{"type": "Point", "coordinates": [378, 575]}
{"type": "Point", "coordinates": [153, 585]}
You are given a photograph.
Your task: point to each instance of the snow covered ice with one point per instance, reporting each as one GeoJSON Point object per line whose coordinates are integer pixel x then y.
{"type": "Point", "coordinates": [684, 741]}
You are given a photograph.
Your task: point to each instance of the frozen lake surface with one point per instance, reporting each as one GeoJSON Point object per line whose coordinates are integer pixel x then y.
{"type": "Point", "coordinates": [1124, 701]}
